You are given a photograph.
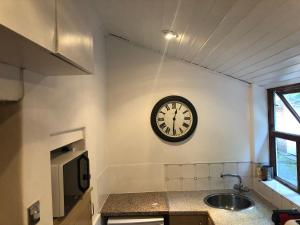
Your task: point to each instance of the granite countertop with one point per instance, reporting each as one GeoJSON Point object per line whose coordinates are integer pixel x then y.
{"type": "Point", "coordinates": [183, 203]}
{"type": "Point", "coordinates": [149, 203]}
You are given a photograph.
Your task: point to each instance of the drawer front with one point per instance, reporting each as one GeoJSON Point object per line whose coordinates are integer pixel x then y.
{"type": "Point", "coordinates": [189, 220]}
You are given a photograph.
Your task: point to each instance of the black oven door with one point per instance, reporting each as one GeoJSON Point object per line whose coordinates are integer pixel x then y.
{"type": "Point", "coordinates": [76, 180]}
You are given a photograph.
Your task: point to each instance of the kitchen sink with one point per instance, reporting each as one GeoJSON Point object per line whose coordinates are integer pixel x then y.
{"type": "Point", "coordinates": [229, 201]}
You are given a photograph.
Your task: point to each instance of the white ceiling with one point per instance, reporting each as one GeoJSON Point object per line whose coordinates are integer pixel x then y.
{"type": "Point", "coordinates": [257, 41]}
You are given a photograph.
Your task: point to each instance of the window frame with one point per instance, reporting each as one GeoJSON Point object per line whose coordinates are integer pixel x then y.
{"type": "Point", "coordinates": [280, 91]}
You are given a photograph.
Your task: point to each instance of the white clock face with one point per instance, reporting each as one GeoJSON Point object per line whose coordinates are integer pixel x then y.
{"type": "Point", "coordinates": [174, 119]}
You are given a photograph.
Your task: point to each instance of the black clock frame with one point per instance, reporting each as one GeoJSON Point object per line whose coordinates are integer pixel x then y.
{"type": "Point", "coordinates": [156, 109]}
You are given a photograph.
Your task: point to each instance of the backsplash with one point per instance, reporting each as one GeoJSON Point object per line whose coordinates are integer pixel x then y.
{"type": "Point", "coordinates": [175, 177]}
{"type": "Point", "coordinates": [206, 176]}
{"type": "Point", "coordinates": [185, 177]}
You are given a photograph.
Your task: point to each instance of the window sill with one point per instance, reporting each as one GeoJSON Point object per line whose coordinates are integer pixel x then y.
{"type": "Point", "coordinates": [284, 191]}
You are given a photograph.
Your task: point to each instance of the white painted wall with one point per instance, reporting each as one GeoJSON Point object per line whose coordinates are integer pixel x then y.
{"type": "Point", "coordinates": [51, 104]}
{"type": "Point", "coordinates": [137, 79]}
{"type": "Point", "coordinates": [259, 124]}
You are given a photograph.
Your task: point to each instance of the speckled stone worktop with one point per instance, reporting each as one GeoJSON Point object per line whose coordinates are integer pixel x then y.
{"type": "Point", "coordinates": [260, 214]}
{"type": "Point", "coordinates": [149, 203]}
{"type": "Point", "coordinates": [183, 203]}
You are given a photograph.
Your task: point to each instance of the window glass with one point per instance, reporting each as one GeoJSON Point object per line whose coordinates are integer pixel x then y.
{"type": "Point", "coordinates": [294, 100]}
{"type": "Point", "coordinates": [284, 119]}
{"type": "Point", "coordinates": [286, 160]}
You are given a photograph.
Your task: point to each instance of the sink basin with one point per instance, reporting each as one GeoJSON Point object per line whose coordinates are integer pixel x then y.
{"type": "Point", "coordinates": [229, 201]}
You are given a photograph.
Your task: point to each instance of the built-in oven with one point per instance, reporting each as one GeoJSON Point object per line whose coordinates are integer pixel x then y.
{"type": "Point", "coordinates": [70, 173]}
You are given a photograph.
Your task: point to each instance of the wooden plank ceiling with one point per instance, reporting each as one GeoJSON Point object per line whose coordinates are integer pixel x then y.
{"type": "Point", "coordinates": [257, 41]}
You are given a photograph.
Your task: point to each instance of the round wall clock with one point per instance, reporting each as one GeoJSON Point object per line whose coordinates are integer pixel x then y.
{"type": "Point", "coordinates": [174, 118]}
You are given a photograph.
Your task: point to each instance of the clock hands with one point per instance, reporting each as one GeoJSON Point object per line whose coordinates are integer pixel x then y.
{"type": "Point", "coordinates": [174, 118]}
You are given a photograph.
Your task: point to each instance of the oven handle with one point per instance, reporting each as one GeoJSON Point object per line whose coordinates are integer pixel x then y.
{"type": "Point", "coordinates": [86, 175]}
{"type": "Point", "coordinates": [131, 221]}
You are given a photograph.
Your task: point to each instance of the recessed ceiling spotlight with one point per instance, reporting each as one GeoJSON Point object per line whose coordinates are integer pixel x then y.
{"type": "Point", "coordinates": [169, 34]}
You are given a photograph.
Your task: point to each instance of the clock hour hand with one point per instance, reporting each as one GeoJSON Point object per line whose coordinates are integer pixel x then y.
{"type": "Point", "coordinates": [174, 118]}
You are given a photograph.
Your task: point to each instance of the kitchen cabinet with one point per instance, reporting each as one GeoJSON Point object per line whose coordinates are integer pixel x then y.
{"type": "Point", "coordinates": [74, 35]}
{"type": "Point", "coordinates": [33, 19]}
{"type": "Point", "coordinates": [81, 214]}
{"type": "Point", "coordinates": [51, 37]}
{"type": "Point", "coordinates": [189, 219]}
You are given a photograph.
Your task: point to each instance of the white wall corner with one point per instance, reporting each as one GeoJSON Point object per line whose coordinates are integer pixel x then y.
{"type": "Point", "coordinates": [251, 122]}
{"type": "Point", "coordinates": [259, 136]}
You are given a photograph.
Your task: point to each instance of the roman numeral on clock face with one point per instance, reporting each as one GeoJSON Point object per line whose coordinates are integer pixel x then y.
{"type": "Point", "coordinates": [185, 111]}
{"type": "Point", "coordinates": [160, 119]}
{"type": "Point", "coordinates": [167, 107]}
{"type": "Point", "coordinates": [162, 126]}
{"type": "Point", "coordinates": [168, 130]}
{"type": "Point", "coordinates": [187, 118]}
{"type": "Point", "coordinates": [185, 125]}
{"type": "Point", "coordinates": [173, 105]}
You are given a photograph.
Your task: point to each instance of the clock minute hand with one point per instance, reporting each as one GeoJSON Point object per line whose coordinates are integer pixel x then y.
{"type": "Point", "coordinates": [174, 118]}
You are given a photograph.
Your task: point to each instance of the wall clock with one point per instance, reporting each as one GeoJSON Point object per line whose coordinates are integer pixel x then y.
{"type": "Point", "coordinates": [174, 118]}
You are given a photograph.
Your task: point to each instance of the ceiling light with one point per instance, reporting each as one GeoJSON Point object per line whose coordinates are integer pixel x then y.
{"type": "Point", "coordinates": [169, 34]}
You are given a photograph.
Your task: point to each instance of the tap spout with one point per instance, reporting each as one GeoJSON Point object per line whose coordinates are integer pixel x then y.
{"type": "Point", "coordinates": [232, 175]}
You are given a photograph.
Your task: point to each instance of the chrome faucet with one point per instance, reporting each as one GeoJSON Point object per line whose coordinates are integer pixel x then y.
{"type": "Point", "coordinates": [239, 187]}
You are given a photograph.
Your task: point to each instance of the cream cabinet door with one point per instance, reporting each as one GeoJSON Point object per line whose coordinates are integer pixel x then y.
{"type": "Point", "coordinates": [33, 19]}
{"type": "Point", "coordinates": [188, 219]}
{"type": "Point", "coordinates": [74, 34]}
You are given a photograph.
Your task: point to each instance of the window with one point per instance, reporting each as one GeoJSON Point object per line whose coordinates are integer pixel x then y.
{"type": "Point", "coordinates": [284, 134]}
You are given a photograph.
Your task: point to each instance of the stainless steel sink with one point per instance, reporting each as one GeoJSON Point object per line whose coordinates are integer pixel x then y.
{"type": "Point", "coordinates": [229, 201]}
